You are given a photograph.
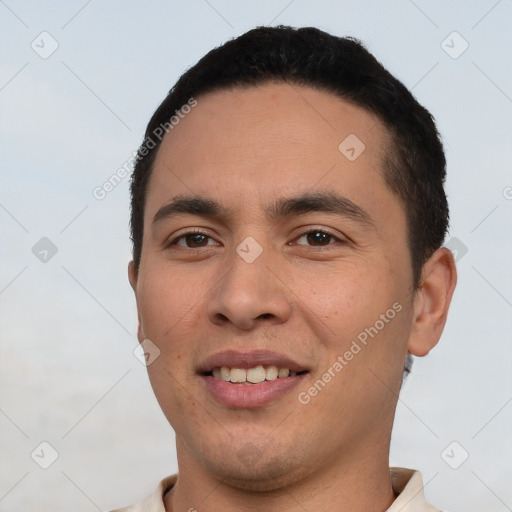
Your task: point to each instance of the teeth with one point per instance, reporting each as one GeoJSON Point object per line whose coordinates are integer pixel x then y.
{"type": "Point", "coordinates": [225, 373]}
{"type": "Point", "coordinates": [238, 375]}
{"type": "Point", "coordinates": [272, 373]}
{"type": "Point", "coordinates": [254, 375]}
{"type": "Point", "coordinates": [283, 372]}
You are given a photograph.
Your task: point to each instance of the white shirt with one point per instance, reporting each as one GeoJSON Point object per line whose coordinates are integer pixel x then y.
{"type": "Point", "coordinates": [407, 484]}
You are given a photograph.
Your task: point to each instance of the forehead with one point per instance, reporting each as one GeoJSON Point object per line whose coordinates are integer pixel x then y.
{"type": "Point", "coordinates": [279, 115]}
{"type": "Point", "coordinates": [247, 145]}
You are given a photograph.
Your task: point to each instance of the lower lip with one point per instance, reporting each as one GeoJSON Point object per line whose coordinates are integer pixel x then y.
{"type": "Point", "coordinates": [251, 395]}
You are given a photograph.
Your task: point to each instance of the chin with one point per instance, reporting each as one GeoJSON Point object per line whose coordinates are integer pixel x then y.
{"type": "Point", "coordinates": [252, 469]}
{"type": "Point", "coordinates": [266, 478]}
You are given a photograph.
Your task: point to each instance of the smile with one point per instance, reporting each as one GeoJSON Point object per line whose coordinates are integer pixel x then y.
{"type": "Point", "coordinates": [250, 379]}
{"type": "Point", "coordinates": [253, 375]}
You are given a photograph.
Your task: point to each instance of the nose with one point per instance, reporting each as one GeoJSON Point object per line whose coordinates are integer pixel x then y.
{"type": "Point", "coordinates": [249, 294]}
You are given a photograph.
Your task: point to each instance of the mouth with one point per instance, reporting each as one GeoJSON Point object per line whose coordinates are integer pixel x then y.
{"type": "Point", "coordinates": [251, 376]}
{"type": "Point", "coordinates": [250, 379]}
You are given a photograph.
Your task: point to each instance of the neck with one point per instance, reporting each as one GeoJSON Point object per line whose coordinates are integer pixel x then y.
{"type": "Point", "coordinates": [360, 484]}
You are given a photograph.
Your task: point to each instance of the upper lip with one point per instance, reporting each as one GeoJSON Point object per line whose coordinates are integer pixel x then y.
{"type": "Point", "coordinates": [248, 359]}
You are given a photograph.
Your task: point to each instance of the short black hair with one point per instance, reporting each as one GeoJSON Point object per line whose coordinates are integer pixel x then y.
{"type": "Point", "coordinates": [414, 164]}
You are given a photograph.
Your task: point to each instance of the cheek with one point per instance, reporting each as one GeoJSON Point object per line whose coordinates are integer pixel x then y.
{"type": "Point", "coordinates": [348, 298]}
{"type": "Point", "coordinates": [169, 309]}
{"type": "Point", "coordinates": [170, 312]}
{"type": "Point", "coordinates": [165, 304]}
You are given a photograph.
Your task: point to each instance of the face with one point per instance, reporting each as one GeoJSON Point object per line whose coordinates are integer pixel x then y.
{"type": "Point", "coordinates": [269, 248]}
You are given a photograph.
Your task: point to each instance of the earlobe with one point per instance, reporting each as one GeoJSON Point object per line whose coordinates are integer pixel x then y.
{"type": "Point", "coordinates": [432, 301]}
{"type": "Point", "coordinates": [133, 277]}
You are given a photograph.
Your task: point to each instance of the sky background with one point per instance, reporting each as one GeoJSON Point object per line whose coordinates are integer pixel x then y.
{"type": "Point", "coordinates": [79, 80]}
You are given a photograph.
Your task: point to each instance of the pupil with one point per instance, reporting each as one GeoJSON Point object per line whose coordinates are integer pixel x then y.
{"type": "Point", "coordinates": [196, 239]}
{"type": "Point", "coordinates": [318, 237]}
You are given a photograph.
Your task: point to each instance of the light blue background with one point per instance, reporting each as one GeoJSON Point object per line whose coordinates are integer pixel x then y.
{"type": "Point", "coordinates": [68, 122]}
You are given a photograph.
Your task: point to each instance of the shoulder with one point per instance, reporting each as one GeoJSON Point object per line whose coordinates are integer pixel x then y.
{"type": "Point", "coordinates": [154, 502]}
{"type": "Point", "coordinates": [408, 486]}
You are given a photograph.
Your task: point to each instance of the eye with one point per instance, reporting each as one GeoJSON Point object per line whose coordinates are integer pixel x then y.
{"type": "Point", "coordinates": [193, 239]}
{"type": "Point", "coordinates": [318, 238]}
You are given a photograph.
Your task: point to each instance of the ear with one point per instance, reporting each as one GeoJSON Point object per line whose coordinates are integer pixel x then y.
{"type": "Point", "coordinates": [431, 302]}
{"type": "Point", "coordinates": [133, 278]}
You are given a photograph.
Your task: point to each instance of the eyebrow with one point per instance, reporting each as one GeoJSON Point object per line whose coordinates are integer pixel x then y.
{"type": "Point", "coordinates": [192, 205]}
{"type": "Point", "coordinates": [323, 202]}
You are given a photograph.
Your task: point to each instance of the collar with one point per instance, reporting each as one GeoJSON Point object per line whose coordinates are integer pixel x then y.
{"type": "Point", "coordinates": [407, 484]}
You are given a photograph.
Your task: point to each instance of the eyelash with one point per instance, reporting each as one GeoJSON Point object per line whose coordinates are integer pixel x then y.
{"type": "Point", "coordinates": [199, 232]}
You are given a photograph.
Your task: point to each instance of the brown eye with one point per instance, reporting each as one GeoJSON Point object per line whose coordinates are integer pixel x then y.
{"type": "Point", "coordinates": [317, 238]}
{"type": "Point", "coordinates": [196, 240]}
{"type": "Point", "coordinates": [193, 240]}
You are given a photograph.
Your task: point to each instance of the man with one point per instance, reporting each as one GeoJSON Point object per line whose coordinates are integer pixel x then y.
{"type": "Point", "coordinates": [287, 219]}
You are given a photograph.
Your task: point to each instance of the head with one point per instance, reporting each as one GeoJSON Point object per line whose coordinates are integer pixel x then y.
{"type": "Point", "coordinates": [413, 164]}
{"type": "Point", "coordinates": [291, 209]}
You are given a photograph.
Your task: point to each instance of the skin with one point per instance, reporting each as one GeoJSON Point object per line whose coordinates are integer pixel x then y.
{"type": "Point", "coordinates": [308, 300]}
